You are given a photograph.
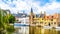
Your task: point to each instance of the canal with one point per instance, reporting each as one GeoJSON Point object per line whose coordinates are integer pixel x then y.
{"type": "Point", "coordinates": [35, 30]}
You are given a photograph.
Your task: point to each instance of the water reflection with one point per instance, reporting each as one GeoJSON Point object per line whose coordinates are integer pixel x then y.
{"type": "Point", "coordinates": [22, 30]}
{"type": "Point", "coordinates": [35, 30]}
{"type": "Point", "coordinates": [40, 30]}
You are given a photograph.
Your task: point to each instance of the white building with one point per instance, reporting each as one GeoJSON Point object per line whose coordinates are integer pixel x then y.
{"type": "Point", "coordinates": [22, 18]}
{"type": "Point", "coordinates": [25, 20]}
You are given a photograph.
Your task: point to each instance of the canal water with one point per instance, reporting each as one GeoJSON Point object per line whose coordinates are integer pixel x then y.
{"type": "Point", "coordinates": [35, 30]}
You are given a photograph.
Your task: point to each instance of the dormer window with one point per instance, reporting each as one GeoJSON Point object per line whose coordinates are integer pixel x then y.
{"type": "Point", "coordinates": [47, 17]}
{"type": "Point", "coordinates": [52, 16]}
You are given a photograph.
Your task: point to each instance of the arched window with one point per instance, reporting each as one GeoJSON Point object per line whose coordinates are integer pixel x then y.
{"type": "Point", "coordinates": [49, 24]}
{"type": "Point", "coordinates": [33, 16]}
{"type": "Point", "coordinates": [54, 22]}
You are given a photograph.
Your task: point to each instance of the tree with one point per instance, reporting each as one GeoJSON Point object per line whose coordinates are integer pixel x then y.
{"type": "Point", "coordinates": [5, 20]}
{"type": "Point", "coordinates": [2, 20]}
{"type": "Point", "coordinates": [11, 19]}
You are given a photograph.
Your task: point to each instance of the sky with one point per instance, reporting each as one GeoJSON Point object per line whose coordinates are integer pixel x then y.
{"type": "Point", "coordinates": [49, 6]}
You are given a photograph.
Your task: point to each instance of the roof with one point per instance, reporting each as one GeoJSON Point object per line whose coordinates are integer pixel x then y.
{"type": "Point", "coordinates": [21, 15]}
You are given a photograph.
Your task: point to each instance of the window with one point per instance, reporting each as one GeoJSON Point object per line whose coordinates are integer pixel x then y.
{"type": "Point", "coordinates": [41, 22]}
{"type": "Point", "coordinates": [49, 24]}
{"type": "Point", "coordinates": [42, 19]}
{"type": "Point", "coordinates": [54, 22]}
{"type": "Point", "coordinates": [47, 17]}
{"type": "Point", "coordinates": [45, 22]}
{"type": "Point", "coordinates": [51, 19]}
{"type": "Point", "coordinates": [33, 16]}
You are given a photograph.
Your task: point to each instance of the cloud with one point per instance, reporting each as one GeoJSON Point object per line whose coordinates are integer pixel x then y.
{"type": "Point", "coordinates": [50, 6]}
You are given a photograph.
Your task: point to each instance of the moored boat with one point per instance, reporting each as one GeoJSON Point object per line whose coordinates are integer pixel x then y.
{"type": "Point", "coordinates": [57, 27]}
{"type": "Point", "coordinates": [20, 24]}
{"type": "Point", "coordinates": [47, 27]}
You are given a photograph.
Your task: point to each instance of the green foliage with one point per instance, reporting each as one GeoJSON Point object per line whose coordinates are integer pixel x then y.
{"type": "Point", "coordinates": [11, 19]}
{"type": "Point", "coordinates": [10, 28]}
{"type": "Point", "coordinates": [5, 20]}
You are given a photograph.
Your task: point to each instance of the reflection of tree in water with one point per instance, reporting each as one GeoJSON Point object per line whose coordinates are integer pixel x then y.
{"type": "Point", "coordinates": [58, 32]}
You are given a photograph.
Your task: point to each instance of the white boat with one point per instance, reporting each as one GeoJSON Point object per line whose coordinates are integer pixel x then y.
{"type": "Point", "coordinates": [57, 27]}
{"type": "Point", "coordinates": [47, 27]}
{"type": "Point", "coordinates": [20, 24]}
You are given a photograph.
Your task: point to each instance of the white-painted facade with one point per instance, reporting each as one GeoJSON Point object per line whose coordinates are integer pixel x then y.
{"type": "Point", "coordinates": [24, 20]}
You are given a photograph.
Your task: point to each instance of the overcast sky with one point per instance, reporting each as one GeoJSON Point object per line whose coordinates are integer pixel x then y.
{"type": "Point", "coordinates": [50, 6]}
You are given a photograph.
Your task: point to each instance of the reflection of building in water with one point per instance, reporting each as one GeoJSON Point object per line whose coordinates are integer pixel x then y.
{"type": "Point", "coordinates": [50, 31]}
{"type": "Point", "coordinates": [39, 30]}
{"type": "Point", "coordinates": [22, 30]}
{"type": "Point", "coordinates": [44, 20]}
